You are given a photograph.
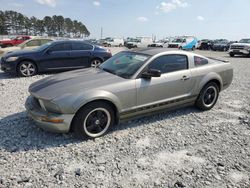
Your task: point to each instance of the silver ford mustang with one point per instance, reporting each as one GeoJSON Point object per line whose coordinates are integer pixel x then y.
{"type": "Point", "coordinates": [131, 83]}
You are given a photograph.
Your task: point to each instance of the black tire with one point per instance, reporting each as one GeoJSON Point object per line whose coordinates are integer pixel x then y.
{"type": "Point", "coordinates": [82, 123]}
{"type": "Point", "coordinates": [180, 48]}
{"type": "Point", "coordinates": [26, 69]}
{"type": "Point", "coordinates": [208, 96]}
{"type": "Point", "coordinates": [231, 54]}
{"type": "Point", "coordinates": [109, 45]}
{"type": "Point", "coordinates": [95, 62]}
{"type": "Point", "coordinates": [120, 45]}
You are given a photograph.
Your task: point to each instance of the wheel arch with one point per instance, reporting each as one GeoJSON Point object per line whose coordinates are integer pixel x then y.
{"type": "Point", "coordinates": [213, 77]}
{"type": "Point", "coordinates": [26, 59]}
{"type": "Point", "coordinates": [104, 100]}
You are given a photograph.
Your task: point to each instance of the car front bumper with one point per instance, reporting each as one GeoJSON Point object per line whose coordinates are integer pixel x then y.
{"type": "Point", "coordinates": [7, 66]}
{"type": "Point", "coordinates": [239, 52]}
{"type": "Point", "coordinates": [36, 113]}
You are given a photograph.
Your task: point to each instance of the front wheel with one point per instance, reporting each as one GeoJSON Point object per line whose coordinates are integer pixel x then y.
{"type": "Point", "coordinates": [26, 69]}
{"type": "Point", "coordinates": [231, 54]}
{"type": "Point", "coordinates": [93, 120]}
{"type": "Point", "coordinates": [208, 96]}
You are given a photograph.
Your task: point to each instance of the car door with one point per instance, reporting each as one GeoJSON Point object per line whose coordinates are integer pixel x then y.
{"type": "Point", "coordinates": [81, 54]}
{"type": "Point", "coordinates": [175, 82]}
{"type": "Point", "coordinates": [57, 56]}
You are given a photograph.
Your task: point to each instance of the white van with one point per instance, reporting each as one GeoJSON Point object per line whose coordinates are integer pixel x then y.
{"type": "Point", "coordinates": [184, 43]}
{"type": "Point", "coordinates": [115, 42]}
{"type": "Point", "coordinates": [140, 42]}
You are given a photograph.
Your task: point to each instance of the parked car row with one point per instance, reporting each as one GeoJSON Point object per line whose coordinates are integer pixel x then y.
{"type": "Point", "coordinates": [13, 41]}
{"type": "Point", "coordinates": [27, 45]}
{"type": "Point", "coordinates": [215, 45]}
{"type": "Point", "coordinates": [54, 56]}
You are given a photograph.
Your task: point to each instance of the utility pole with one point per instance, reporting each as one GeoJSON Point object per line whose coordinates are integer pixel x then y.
{"type": "Point", "coordinates": [101, 32]}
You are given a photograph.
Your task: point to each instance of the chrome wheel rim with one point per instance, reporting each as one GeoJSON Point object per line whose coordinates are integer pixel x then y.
{"type": "Point", "coordinates": [27, 69]}
{"type": "Point", "coordinates": [210, 96]}
{"type": "Point", "coordinates": [95, 63]}
{"type": "Point", "coordinates": [97, 122]}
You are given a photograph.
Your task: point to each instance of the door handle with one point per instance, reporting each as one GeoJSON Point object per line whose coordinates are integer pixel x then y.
{"type": "Point", "coordinates": [184, 78]}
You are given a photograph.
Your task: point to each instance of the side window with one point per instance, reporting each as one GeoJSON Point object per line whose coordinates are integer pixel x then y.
{"type": "Point", "coordinates": [19, 38]}
{"type": "Point", "coordinates": [33, 43]}
{"type": "Point", "coordinates": [170, 63]}
{"type": "Point", "coordinates": [81, 46]}
{"type": "Point", "coordinates": [61, 47]}
{"type": "Point", "coordinates": [44, 41]}
{"type": "Point", "coordinates": [199, 61]}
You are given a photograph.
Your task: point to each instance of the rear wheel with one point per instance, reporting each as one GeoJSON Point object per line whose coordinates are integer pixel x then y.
{"type": "Point", "coordinates": [208, 96]}
{"type": "Point", "coordinates": [95, 63]}
{"type": "Point", "coordinates": [94, 120]}
{"type": "Point", "coordinates": [231, 54]}
{"type": "Point", "coordinates": [26, 69]}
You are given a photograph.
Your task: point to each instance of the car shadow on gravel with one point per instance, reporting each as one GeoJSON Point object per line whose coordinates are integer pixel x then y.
{"type": "Point", "coordinates": [19, 133]}
{"type": "Point", "coordinates": [4, 75]}
{"type": "Point", "coordinates": [148, 119]}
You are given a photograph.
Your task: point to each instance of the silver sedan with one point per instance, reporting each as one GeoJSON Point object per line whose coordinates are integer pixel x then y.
{"type": "Point", "coordinates": [131, 83]}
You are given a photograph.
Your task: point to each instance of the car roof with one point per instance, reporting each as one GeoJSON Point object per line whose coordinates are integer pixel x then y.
{"type": "Point", "coordinates": [152, 51]}
{"type": "Point", "coordinates": [69, 41]}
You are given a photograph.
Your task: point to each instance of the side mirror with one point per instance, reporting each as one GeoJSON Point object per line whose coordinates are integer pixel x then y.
{"type": "Point", "coordinates": [151, 73]}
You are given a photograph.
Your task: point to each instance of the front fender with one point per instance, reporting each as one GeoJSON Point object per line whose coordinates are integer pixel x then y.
{"type": "Point", "coordinates": [72, 103]}
{"type": "Point", "coordinates": [96, 95]}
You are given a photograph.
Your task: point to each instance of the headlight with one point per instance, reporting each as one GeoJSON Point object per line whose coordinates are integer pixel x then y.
{"type": "Point", "coordinates": [49, 106]}
{"type": "Point", "coordinates": [10, 59]}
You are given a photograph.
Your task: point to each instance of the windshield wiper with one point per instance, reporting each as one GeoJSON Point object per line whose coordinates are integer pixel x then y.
{"type": "Point", "coordinates": [110, 71]}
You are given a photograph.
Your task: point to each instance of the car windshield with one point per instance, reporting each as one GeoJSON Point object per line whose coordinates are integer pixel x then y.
{"type": "Point", "coordinates": [124, 64]}
{"type": "Point", "coordinates": [245, 41]}
{"type": "Point", "coordinates": [43, 47]}
{"type": "Point", "coordinates": [178, 40]}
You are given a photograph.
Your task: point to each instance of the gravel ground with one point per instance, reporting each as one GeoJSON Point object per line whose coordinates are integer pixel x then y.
{"type": "Point", "coordinates": [182, 148]}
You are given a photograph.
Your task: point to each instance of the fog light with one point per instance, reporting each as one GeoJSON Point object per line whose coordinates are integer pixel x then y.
{"type": "Point", "coordinates": [53, 120]}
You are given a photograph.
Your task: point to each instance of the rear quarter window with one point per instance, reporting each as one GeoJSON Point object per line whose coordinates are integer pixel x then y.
{"type": "Point", "coordinates": [199, 61]}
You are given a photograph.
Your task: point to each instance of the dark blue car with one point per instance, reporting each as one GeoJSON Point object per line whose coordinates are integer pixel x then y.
{"type": "Point", "coordinates": [54, 56]}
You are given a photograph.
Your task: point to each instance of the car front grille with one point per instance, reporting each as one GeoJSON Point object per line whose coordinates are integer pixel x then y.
{"type": "Point", "coordinates": [237, 47]}
{"type": "Point", "coordinates": [173, 45]}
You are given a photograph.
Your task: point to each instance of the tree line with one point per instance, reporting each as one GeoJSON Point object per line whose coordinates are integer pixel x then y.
{"type": "Point", "coordinates": [14, 23]}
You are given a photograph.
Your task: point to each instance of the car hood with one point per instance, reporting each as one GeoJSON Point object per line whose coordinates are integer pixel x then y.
{"type": "Point", "coordinates": [241, 44]}
{"type": "Point", "coordinates": [19, 53]}
{"type": "Point", "coordinates": [5, 40]}
{"type": "Point", "coordinates": [72, 82]}
{"type": "Point", "coordinates": [10, 49]}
